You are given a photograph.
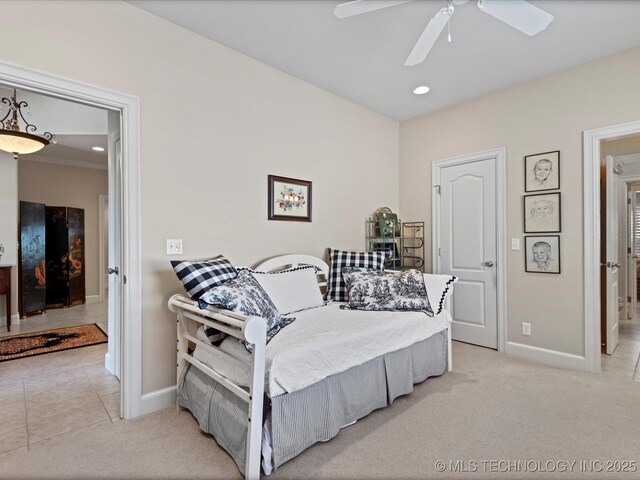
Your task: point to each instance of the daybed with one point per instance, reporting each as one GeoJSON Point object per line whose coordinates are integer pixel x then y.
{"type": "Point", "coordinates": [324, 371]}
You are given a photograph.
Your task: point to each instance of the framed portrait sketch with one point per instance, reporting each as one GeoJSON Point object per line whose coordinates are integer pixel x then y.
{"type": "Point", "coordinates": [542, 171]}
{"type": "Point", "coordinates": [289, 199]}
{"type": "Point", "coordinates": [542, 254]}
{"type": "Point", "coordinates": [542, 213]}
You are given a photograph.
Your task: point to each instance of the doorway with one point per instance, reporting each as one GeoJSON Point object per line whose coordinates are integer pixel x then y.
{"type": "Point", "coordinates": [620, 320]}
{"type": "Point", "coordinates": [469, 222]}
{"type": "Point", "coordinates": [602, 304]}
{"type": "Point", "coordinates": [127, 108]}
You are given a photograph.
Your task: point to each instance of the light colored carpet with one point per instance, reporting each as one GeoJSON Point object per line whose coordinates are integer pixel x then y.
{"type": "Point", "coordinates": [490, 408]}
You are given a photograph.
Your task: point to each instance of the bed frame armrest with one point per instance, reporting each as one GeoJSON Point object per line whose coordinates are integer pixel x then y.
{"type": "Point", "coordinates": [250, 329]}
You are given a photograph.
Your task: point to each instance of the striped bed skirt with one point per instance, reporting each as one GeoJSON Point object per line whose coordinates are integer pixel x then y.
{"type": "Point", "coordinates": [297, 420]}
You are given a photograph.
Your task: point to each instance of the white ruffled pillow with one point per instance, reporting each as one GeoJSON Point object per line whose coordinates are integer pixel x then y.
{"type": "Point", "coordinates": [439, 288]}
{"type": "Point", "coordinates": [291, 290]}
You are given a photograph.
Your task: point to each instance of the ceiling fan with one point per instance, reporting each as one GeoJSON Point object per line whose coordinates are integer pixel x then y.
{"type": "Point", "coordinates": [519, 14]}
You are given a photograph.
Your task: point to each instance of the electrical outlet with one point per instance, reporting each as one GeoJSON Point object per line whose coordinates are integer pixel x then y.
{"type": "Point", "coordinates": [526, 328]}
{"type": "Point", "coordinates": [515, 244]}
{"type": "Point", "coordinates": [174, 246]}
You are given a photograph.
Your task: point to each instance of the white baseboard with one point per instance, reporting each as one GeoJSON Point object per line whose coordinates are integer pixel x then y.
{"type": "Point", "coordinates": [153, 401]}
{"type": "Point", "coordinates": [92, 299]}
{"type": "Point", "coordinates": [15, 320]}
{"type": "Point", "coordinates": [552, 358]}
{"type": "Point", "coordinates": [109, 363]}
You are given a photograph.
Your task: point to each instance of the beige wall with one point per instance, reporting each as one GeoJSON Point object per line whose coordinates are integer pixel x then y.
{"type": "Point", "coordinates": [214, 124]}
{"type": "Point", "coordinates": [65, 186]}
{"type": "Point", "coordinates": [9, 226]}
{"type": "Point", "coordinates": [621, 146]}
{"type": "Point", "coordinates": [549, 113]}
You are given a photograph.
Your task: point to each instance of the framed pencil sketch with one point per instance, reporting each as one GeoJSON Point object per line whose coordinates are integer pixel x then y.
{"type": "Point", "coordinates": [542, 254]}
{"type": "Point", "coordinates": [542, 213]}
{"type": "Point", "coordinates": [542, 171]}
{"type": "Point", "coordinates": [289, 199]}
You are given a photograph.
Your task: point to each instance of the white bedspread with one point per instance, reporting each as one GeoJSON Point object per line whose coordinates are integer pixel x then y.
{"type": "Point", "coordinates": [327, 340]}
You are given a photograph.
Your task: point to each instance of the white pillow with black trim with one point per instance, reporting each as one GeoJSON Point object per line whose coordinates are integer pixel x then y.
{"type": "Point", "coordinates": [339, 260]}
{"type": "Point", "coordinates": [198, 277]}
{"type": "Point", "coordinates": [291, 290]}
{"type": "Point", "coordinates": [439, 287]}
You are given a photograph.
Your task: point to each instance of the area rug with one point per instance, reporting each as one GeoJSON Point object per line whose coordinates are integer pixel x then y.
{"type": "Point", "coordinates": [48, 341]}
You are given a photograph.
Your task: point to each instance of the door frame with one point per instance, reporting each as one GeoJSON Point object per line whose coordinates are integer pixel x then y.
{"type": "Point", "coordinates": [592, 234]}
{"type": "Point", "coordinates": [500, 154]}
{"type": "Point", "coordinates": [630, 180]}
{"type": "Point", "coordinates": [102, 200]}
{"type": "Point", "coordinates": [129, 108]}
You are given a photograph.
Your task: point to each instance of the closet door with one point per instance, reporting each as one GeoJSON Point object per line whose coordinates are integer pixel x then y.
{"type": "Point", "coordinates": [75, 222]}
{"type": "Point", "coordinates": [57, 257]}
{"type": "Point", "coordinates": [32, 269]}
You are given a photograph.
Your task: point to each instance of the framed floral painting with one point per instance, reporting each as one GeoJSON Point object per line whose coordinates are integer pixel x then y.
{"type": "Point", "coordinates": [289, 199]}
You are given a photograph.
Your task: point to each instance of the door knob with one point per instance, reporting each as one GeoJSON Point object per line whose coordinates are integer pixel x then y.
{"type": "Point", "coordinates": [113, 270]}
{"type": "Point", "coordinates": [488, 264]}
{"type": "Point", "coordinates": [615, 265]}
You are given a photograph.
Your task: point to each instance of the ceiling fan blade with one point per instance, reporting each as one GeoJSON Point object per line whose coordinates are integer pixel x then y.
{"type": "Point", "coordinates": [519, 14]}
{"type": "Point", "coordinates": [429, 36]}
{"type": "Point", "coordinates": [357, 7]}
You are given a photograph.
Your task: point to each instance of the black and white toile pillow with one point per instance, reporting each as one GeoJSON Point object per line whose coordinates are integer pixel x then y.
{"type": "Point", "coordinates": [371, 289]}
{"type": "Point", "coordinates": [244, 295]}
{"type": "Point", "coordinates": [198, 277]}
{"type": "Point", "coordinates": [341, 259]}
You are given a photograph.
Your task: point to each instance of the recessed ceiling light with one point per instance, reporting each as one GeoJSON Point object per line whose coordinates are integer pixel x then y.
{"type": "Point", "coordinates": [98, 149]}
{"type": "Point", "coordinates": [421, 90]}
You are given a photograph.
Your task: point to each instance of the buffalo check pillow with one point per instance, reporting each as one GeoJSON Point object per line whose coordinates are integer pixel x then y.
{"type": "Point", "coordinates": [339, 260]}
{"type": "Point", "coordinates": [198, 277]}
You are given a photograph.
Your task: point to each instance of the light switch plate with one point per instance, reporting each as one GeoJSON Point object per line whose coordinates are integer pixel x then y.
{"type": "Point", "coordinates": [515, 244]}
{"type": "Point", "coordinates": [174, 246]}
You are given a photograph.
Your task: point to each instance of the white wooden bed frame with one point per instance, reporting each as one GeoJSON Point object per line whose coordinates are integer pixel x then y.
{"type": "Point", "coordinates": [251, 329]}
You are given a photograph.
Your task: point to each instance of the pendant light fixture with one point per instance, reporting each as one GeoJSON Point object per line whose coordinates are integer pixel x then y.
{"type": "Point", "coordinates": [14, 140]}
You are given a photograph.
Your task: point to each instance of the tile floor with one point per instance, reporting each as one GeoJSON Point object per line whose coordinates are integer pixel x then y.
{"type": "Point", "coordinates": [61, 317]}
{"type": "Point", "coordinates": [44, 396]}
{"type": "Point", "coordinates": [625, 358]}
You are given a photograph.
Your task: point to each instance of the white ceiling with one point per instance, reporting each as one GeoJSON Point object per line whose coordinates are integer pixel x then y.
{"type": "Point", "coordinates": [77, 128]}
{"type": "Point", "coordinates": [74, 150]}
{"type": "Point", "coordinates": [362, 58]}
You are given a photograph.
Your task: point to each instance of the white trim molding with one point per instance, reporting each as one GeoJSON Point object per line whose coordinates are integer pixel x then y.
{"type": "Point", "coordinates": [102, 248]}
{"type": "Point", "coordinates": [500, 154]}
{"type": "Point", "coordinates": [129, 108]}
{"type": "Point", "coordinates": [66, 162]}
{"type": "Point", "coordinates": [109, 364]}
{"type": "Point", "coordinates": [545, 356]}
{"type": "Point", "coordinates": [15, 320]}
{"type": "Point", "coordinates": [92, 299]}
{"type": "Point", "coordinates": [592, 235]}
{"type": "Point", "coordinates": [158, 399]}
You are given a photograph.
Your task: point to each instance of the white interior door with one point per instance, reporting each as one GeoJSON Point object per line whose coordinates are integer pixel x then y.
{"type": "Point", "coordinates": [467, 242]}
{"type": "Point", "coordinates": [612, 264]}
{"type": "Point", "coordinates": [115, 279]}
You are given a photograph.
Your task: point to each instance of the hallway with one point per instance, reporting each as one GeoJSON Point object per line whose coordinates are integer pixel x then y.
{"type": "Point", "coordinates": [624, 360]}
{"type": "Point", "coordinates": [61, 317]}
